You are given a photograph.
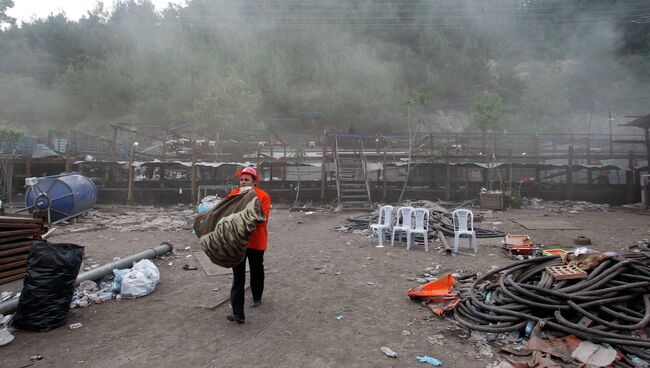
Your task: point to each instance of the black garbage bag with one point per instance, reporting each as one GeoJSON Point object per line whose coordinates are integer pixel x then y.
{"type": "Point", "coordinates": [49, 285]}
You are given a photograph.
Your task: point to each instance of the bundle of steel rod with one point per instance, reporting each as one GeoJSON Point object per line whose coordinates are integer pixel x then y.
{"type": "Point", "coordinates": [437, 221]}
{"type": "Point", "coordinates": [610, 305]}
{"type": "Point", "coordinates": [16, 235]}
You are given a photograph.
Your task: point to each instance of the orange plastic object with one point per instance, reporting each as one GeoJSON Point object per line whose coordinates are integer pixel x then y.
{"type": "Point", "coordinates": [553, 252]}
{"type": "Point", "coordinates": [438, 287]}
{"type": "Point", "coordinates": [518, 244]}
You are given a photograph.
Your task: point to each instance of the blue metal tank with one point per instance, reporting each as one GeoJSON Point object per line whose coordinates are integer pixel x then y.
{"type": "Point", "coordinates": [60, 197]}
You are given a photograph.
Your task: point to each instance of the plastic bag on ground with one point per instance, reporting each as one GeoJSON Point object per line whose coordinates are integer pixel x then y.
{"type": "Point", "coordinates": [117, 281]}
{"type": "Point", "coordinates": [148, 269]}
{"type": "Point", "coordinates": [141, 280]}
{"type": "Point", "coordinates": [49, 285]}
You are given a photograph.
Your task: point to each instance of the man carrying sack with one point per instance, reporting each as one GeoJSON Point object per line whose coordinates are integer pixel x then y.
{"type": "Point", "coordinates": [236, 230]}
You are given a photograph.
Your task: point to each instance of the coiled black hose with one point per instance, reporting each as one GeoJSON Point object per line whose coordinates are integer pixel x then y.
{"type": "Point", "coordinates": [613, 299]}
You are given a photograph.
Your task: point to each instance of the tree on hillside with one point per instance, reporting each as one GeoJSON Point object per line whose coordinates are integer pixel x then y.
{"type": "Point", "coordinates": [4, 18]}
{"type": "Point", "coordinates": [228, 104]}
{"type": "Point", "coordinates": [490, 113]}
{"type": "Point", "coordinates": [544, 104]}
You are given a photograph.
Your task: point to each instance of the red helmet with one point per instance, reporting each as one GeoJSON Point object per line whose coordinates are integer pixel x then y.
{"type": "Point", "coordinates": [250, 171]}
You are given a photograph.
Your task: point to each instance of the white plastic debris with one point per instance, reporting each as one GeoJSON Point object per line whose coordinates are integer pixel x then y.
{"type": "Point", "coordinates": [594, 354]}
{"type": "Point", "coordinates": [388, 351]}
{"type": "Point", "coordinates": [5, 337]}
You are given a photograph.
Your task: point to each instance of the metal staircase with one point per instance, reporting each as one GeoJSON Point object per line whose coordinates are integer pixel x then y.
{"type": "Point", "coordinates": [352, 179]}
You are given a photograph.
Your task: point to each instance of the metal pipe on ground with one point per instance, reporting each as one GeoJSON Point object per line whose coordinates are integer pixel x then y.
{"type": "Point", "coordinates": [9, 306]}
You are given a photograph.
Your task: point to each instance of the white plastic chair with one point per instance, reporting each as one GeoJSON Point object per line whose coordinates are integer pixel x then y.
{"type": "Point", "coordinates": [384, 224]}
{"type": "Point", "coordinates": [402, 222]}
{"type": "Point", "coordinates": [464, 225]}
{"type": "Point", "coordinates": [420, 226]}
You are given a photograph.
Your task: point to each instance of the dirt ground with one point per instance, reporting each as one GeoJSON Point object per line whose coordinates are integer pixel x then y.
{"type": "Point", "coordinates": [297, 324]}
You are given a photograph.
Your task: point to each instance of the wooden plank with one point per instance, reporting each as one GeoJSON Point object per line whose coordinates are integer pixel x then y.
{"type": "Point", "coordinates": [443, 240]}
{"type": "Point", "coordinates": [15, 245]}
{"type": "Point", "coordinates": [4, 280]}
{"type": "Point", "coordinates": [18, 271]}
{"type": "Point", "coordinates": [19, 225]}
{"type": "Point", "coordinates": [21, 257]}
{"type": "Point", "coordinates": [24, 232]}
{"type": "Point", "coordinates": [19, 237]}
{"type": "Point", "coordinates": [15, 251]}
{"type": "Point", "coordinates": [13, 265]}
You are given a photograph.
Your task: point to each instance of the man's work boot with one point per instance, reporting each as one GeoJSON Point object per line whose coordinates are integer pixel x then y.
{"type": "Point", "coordinates": [235, 318]}
{"type": "Point", "coordinates": [256, 303]}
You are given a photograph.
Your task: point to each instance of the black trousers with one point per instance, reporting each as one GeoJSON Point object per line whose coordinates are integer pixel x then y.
{"type": "Point", "coordinates": [256, 264]}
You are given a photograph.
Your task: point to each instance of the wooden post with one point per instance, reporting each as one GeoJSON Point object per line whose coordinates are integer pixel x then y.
{"type": "Point", "coordinates": [447, 176]}
{"type": "Point", "coordinates": [194, 198]}
{"type": "Point", "coordinates": [611, 142]}
{"type": "Point", "coordinates": [537, 156]}
{"type": "Point", "coordinates": [384, 184]}
{"type": "Point", "coordinates": [509, 169]}
{"type": "Point", "coordinates": [569, 175]}
{"type": "Point", "coordinates": [259, 157]}
{"type": "Point", "coordinates": [271, 159]}
{"type": "Point", "coordinates": [164, 145]}
{"type": "Point", "coordinates": [466, 183]}
{"type": "Point", "coordinates": [68, 160]}
{"type": "Point", "coordinates": [589, 171]}
{"type": "Point", "coordinates": [129, 193]}
{"type": "Point", "coordinates": [68, 155]}
{"type": "Point", "coordinates": [647, 148]}
{"type": "Point", "coordinates": [217, 145]}
{"type": "Point", "coordinates": [28, 166]}
{"type": "Point", "coordinates": [116, 133]}
{"type": "Point", "coordinates": [629, 179]}
{"type": "Point", "coordinates": [323, 171]}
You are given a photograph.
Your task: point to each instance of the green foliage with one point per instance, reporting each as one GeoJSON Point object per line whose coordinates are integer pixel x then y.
{"type": "Point", "coordinates": [299, 155]}
{"type": "Point", "coordinates": [4, 18]}
{"type": "Point", "coordinates": [205, 64]}
{"type": "Point", "coordinates": [228, 104]}
{"type": "Point", "coordinates": [9, 135]}
{"type": "Point", "coordinates": [490, 113]}
{"type": "Point", "coordinates": [545, 103]}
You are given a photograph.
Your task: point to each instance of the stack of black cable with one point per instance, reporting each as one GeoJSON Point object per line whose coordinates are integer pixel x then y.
{"type": "Point", "coordinates": [610, 305]}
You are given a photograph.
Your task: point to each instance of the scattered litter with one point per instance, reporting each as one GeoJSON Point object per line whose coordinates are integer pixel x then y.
{"type": "Point", "coordinates": [35, 357]}
{"type": "Point", "coordinates": [216, 289]}
{"type": "Point", "coordinates": [563, 206]}
{"type": "Point", "coordinates": [6, 295]}
{"type": "Point", "coordinates": [5, 337]}
{"type": "Point", "coordinates": [429, 360]}
{"type": "Point", "coordinates": [75, 326]}
{"type": "Point", "coordinates": [474, 355]}
{"type": "Point", "coordinates": [338, 318]}
{"type": "Point", "coordinates": [142, 219]}
{"type": "Point", "coordinates": [388, 351]}
{"type": "Point", "coordinates": [594, 354]}
{"type": "Point", "coordinates": [485, 350]}
{"type": "Point", "coordinates": [189, 268]}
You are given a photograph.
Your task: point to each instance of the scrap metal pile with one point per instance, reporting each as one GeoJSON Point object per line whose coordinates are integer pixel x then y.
{"type": "Point", "coordinates": [439, 219]}
{"type": "Point", "coordinates": [16, 235]}
{"type": "Point", "coordinates": [609, 303]}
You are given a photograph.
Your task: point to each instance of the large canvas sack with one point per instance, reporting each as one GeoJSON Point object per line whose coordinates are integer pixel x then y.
{"type": "Point", "coordinates": [224, 231]}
